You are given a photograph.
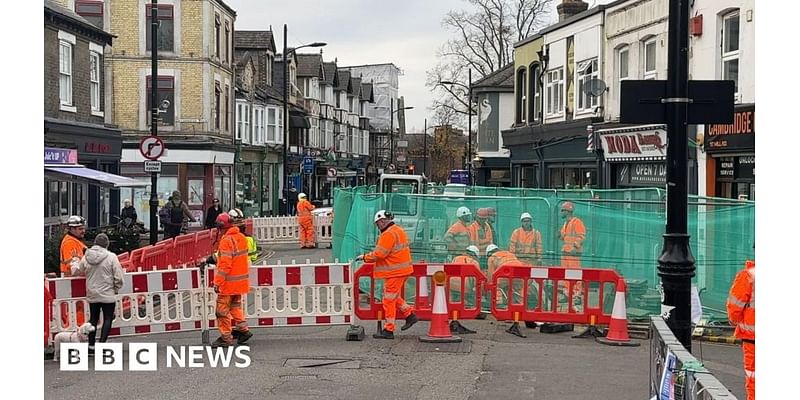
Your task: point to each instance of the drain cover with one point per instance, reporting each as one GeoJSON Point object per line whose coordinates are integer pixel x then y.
{"type": "Point", "coordinates": [463, 347]}
{"type": "Point", "coordinates": [322, 363]}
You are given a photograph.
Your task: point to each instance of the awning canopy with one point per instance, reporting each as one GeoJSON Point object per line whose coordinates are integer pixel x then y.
{"type": "Point", "coordinates": [345, 173]}
{"type": "Point", "coordinates": [103, 178]}
{"type": "Point", "coordinates": [296, 121]}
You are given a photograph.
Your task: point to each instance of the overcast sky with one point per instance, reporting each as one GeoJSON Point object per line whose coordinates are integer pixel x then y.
{"type": "Point", "coordinates": [406, 32]}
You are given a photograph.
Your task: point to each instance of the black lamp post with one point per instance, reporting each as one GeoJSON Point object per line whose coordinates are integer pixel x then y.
{"type": "Point", "coordinates": [286, 54]}
{"type": "Point", "coordinates": [154, 117]}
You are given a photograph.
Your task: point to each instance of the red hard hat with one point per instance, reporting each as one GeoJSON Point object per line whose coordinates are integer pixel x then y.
{"type": "Point", "coordinates": [568, 206]}
{"type": "Point", "coordinates": [483, 212]}
{"type": "Point", "coordinates": [223, 221]}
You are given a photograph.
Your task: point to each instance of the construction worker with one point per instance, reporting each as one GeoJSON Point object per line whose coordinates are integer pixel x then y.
{"type": "Point", "coordinates": [306, 222]}
{"type": "Point", "coordinates": [252, 248]}
{"type": "Point", "coordinates": [573, 234]}
{"type": "Point", "coordinates": [482, 231]}
{"type": "Point", "coordinates": [459, 236]}
{"type": "Point", "coordinates": [231, 280]}
{"type": "Point", "coordinates": [498, 258]}
{"type": "Point", "coordinates": [742, 314]}
{"type": "Point", "coordinates": [470, 256]}
{"type": "Point", "coordinates": [526, 242]}
{"type": "Point", "coordinates": [392, 258]}
{"type": "Point", "coordinates": [72, 247]}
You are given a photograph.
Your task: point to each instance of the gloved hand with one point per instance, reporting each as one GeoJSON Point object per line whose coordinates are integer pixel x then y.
{"type": "Point", "coordinates": [216, 289]}
{"type": "Point", "coordinates": [211, 260]}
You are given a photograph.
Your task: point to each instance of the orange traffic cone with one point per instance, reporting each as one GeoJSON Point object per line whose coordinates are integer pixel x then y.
{"type": "Point", "coordinates": [439, 331]}
{"type": "Point", "coordinates": [618, 327]}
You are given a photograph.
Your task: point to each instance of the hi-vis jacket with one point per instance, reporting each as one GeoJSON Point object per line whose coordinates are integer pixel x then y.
{"type": "Point", "coordinates": [464, 259]}
{"type": "Point", "coordinates": [742, 302]}
{"type": "Point", "coordinates": [392, 256]}
{"type": "Point", "coordinates": [573, 233]}
{"type": "Point", "coordinates": [233, 264]}
{"type": "Point", "coordinates": [459, 236]}
{"type": "Point", "coordinates": [526, 243]}
{"type": "Point", "coordinates": [72, 248]}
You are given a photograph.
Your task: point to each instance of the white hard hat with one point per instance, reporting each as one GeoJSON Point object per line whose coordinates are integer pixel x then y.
{"type": "Point", "coordinates": [301, 195]}
{"type": "Point", "coordinates": [473, 250]}
{"type": "Point", "coordinates": [76, 221]}
{"type": "Point", "coordinates": [463, 211]}
{"type": "Point", "coordinates": [525, 215]}
{"type": "Point", "coordinates": [383, 214]}
{"type": "Point", "coordinates": [236, 214]}
{"type": "Point", "coordinates": [490, 248]}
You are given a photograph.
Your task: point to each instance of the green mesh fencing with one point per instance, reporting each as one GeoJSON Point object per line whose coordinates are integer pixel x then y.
{"type": "Point", "coordinates": [624, 231]}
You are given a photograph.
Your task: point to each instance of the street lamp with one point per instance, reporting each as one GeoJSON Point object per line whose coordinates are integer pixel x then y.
{"type": "Point", "coordinates": [286, 54]}
{"type": "Point", "coordinates": [469, 118]}
{"type": "Point", "coordinates": [391, 127]}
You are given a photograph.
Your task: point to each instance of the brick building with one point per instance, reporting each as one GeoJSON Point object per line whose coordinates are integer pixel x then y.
{"type": "Point", "coordinates": [195, 86]}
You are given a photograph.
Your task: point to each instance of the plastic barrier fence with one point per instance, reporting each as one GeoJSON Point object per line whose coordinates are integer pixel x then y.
{"type": "Point", "coordinates": [272, 230]}
{"type": "Point", "coordinates": [553, 294]}
{"type": "Point", "coordinates": [463, 300]}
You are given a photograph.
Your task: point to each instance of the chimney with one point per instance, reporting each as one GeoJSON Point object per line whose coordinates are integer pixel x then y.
{"type": "Point", "coordinates": [568, 8]}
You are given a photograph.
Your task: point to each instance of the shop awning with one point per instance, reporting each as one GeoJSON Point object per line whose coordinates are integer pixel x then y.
{"type": "Point", "coordinates": [345, 173]}
{"type": "Point", "coordinates": [299, 122]}
{"type": "Point", "coordinates": [103, 178]}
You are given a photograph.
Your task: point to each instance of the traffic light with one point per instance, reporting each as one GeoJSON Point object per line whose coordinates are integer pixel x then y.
{"type": "Point", "coordinates": [411, 169]}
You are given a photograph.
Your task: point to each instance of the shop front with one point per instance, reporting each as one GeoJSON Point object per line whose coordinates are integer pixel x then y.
{"type": "Point", "coordinates": [257, 180]}
{"type": "Point", "coordinates": [635, 156]}
{"type": "Point", "coordinates": [730, 169]}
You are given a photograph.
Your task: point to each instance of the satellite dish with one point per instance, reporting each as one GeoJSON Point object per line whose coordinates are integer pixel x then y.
{"type": "Point", "coordinates": [595, 87]}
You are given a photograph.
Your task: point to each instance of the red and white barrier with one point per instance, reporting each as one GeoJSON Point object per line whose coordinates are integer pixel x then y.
{"type": "Point", "coordinates": [272, 230]}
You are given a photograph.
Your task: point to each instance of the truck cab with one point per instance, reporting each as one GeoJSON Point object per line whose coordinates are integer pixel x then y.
{"type": "Point", "coordinates": [403, 198]}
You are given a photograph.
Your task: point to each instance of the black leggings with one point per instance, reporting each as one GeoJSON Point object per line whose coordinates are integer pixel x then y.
{"type": "Point", "coordinates": [108, 318]}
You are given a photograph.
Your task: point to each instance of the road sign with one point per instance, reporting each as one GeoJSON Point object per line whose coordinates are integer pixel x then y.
{"type": "Point", "coordinates": [152, 166]}
{"type": "Point", "coordinates": [308, 165]}
{"type": "Point", "coordinates": [331, 174]}
{"type": "Point", "coordinates": [151, 147]}
{"type": "Point", "coordinates": [402, 143]}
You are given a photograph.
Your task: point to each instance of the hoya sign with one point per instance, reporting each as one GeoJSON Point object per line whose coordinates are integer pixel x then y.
{"type": "Point", "coordinates": [637, 143]}
{"type": "Point", "coordinates": [145, 357]}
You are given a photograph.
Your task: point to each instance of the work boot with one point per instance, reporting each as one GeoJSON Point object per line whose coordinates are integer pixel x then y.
{"type": "Point", "coordinates": [384, 334]}
{"type": "Point", "coordinates": [411, 319]}
{"type": "Point", "coordinates": [220, 342]}
{"type": "Point", "coordinates": [244, 336]}
{"type": "Point", "coordinates": [235, 333]}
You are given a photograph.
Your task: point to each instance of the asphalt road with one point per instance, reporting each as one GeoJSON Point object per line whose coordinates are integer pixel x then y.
{"type": "Point", "coordinates": [317, 362]}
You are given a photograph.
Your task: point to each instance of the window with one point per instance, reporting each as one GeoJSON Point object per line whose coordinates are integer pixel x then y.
{"type": "Point", "coordinates": [166, 91]}
{"type": "Point", "coordinates": [65, 72]}
{"type": "Point", "coordinates": [272, 123]}
{"type": "Point", "coordinates": [94, 80]}
{"type": "Point", "coordinates": [534, 97]}
{"type": "Point", "coordinates": [650, 59]}
{"type": "Point", "coordinates": [521, 95]}
{"type": "Point", "coordinates": [243, 122]}
{"type": "Point", "coordinates": [268, 72]}
{"type": "Point", "coordinates": [217, 35]}
{"type": "Point", "coordinates": [322, 94]}
{"type": "Point", "coordinates": [227, 43]}
{"type": "Point", "coordinates": [166, 27]}
{"type": "Point", "coordinates": [91, 11]}
{"type": "Point", "coordinates": [555, 92]}
{"type": "Point", "coordinates": [622, 67]}
{"type": "Point", "coordinates": [730, 49]}
{"type": "Point", "coordinates": [258, 125]}
{"type": "Point", "coordinates": [227, 114]}
{"type": "Point", "coordinates": [280, 135]}
{"type": "Point", "coordinates": [587, 70]}
{"type": "Point", "coordinates": [217, 95]}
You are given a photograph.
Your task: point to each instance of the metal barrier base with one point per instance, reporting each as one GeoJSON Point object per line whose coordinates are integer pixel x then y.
{"type": "Point", "coordinates": [355, 333]}
{"type": "Point", "coordinates": [456, 327]}
{"type": "Point", "coordinates": [556, 328]}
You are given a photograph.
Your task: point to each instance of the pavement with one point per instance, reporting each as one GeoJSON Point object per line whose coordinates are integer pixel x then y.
{"type": "Point", "coordinates": [317, 362]}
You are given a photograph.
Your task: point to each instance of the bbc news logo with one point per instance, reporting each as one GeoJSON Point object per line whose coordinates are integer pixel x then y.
{"type": "Point", "coordinates": [144, 357]}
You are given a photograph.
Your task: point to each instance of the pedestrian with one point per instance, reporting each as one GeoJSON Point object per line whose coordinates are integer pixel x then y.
{"type": "Point", "coordinates": [392, 258]}
{"type": "Point", "coordinates": [293, 198]}
{"type": "Point", "coordinates": [212, 213]}
{"type": "Point", "coordinates": [103, 281]}
{"type": "Point", "coordinates": [573, 234]}
{"type": "Point", "coordinates": [72, 247]}
{"type": "Point", "coordinates": [306, 222]}
{"type": "Point", "coordinates": [232, 280]}
{"type": "Point", "coordinates": [128, 214]}
{"type": "Point", "coordinates": [459, 235]}
{"type": "Point", "coordinates": [742, 314]}
{"type": "Point", "coordinates": [482, 230]}
{"type": "Point", "coordinates": [526, 242]}
{"type": "Point", "coordinates": [178, 213]}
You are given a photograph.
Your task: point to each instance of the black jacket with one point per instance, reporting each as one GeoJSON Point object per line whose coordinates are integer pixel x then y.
{"type": "Point", "coordinates": [211, 216]}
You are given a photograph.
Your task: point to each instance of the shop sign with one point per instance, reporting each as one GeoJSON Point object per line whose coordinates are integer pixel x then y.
{"type": "Point", "coordinates": [642, 174]}
{"type": "Point", "coordinates": [93, 147]}
{"type": "Point", "coordinates": [726, 168]}
{"type": "Point", "coordinates": [745, 167]}
{"type": "Point", "coordinates": [53, 155]}
{"type": "Point", "coordinates": [740, 135]}
{"type": "Point", "coordinates": [642, 144]}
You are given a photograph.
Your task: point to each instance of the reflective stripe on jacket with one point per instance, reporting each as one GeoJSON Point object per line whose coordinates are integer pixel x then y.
{"type": "Point", "coordinates": [741, 303]}
{"type": "Point", "coordinates": [392, 256]}
{"type": "Point", "coordinates": [72, 249]}
{"type": "Point", "coordinates": [524, 242]}
{"type": "Point", "coordinates": [483, 234]}
{"type": "Point", "coordinates": [573, 233]}
{"type": "Point", "coordinates": [459, 236]}
{"type": "Point", "coordinates": [233, 264]}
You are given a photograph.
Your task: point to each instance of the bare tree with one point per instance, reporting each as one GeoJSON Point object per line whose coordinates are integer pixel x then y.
{"type": "Point", "coordinates": [484, 38]}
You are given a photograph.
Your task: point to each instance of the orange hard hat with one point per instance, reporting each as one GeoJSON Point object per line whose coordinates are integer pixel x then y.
{"type": "Point", "coordinates": [568, 206]}
{"type": "Point", "coordinates": [483, 212]}
{"type": "Point", "coordinates": [492, 211]}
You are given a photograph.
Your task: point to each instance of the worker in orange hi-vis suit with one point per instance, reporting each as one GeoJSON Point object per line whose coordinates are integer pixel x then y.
{"type": "Point", "coordinates": [306, 221]}
{"type": "Point", "coordinates": [497, 259]}
{"type": "Point", "coordinates": [741, 307]}
{"type": "Point", "coordinates": [72, 250]}
{"type": "Point", "coordinates": [526, 242]}
{"type": "Point", "coordinates": [482, 230]}
{"type": "Point", "coordinates": [573, 234]}
{"type": "Point", "coordinates": [392, 258]}
{"type": "Point", "coordinates": [231, 280]}
{"type": "Point", "coordinates": [460, 234]}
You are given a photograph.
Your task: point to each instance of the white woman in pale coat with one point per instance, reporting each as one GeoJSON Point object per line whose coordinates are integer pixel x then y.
{"type": "Point", "coordinates": [103, 281]}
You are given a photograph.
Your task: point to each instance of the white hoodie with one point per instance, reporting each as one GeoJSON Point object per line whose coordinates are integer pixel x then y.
{"type": "Point", "coordinates": [103, 274]}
